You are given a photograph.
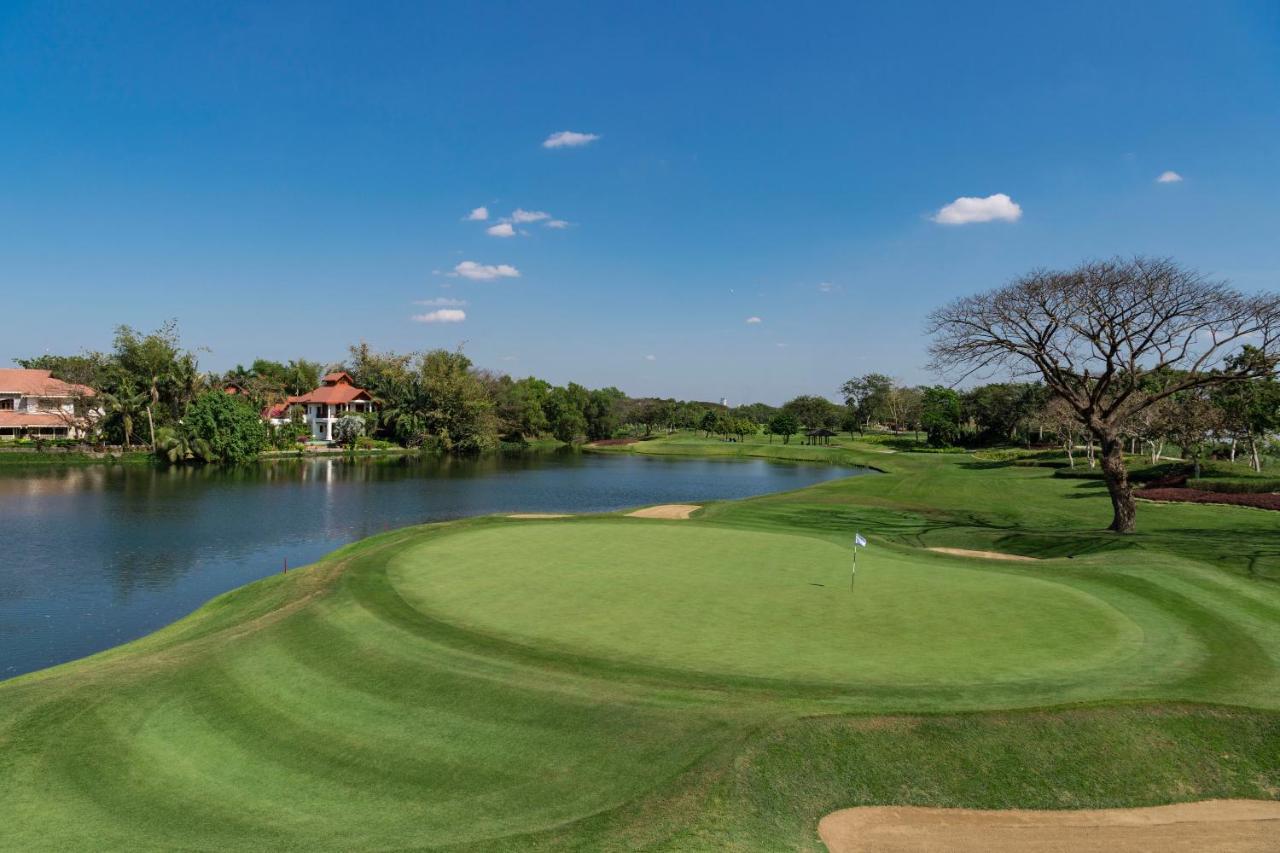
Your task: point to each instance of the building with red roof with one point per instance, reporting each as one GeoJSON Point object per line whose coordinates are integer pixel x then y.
{"type": "Point", "coordinates": [336, 398]}
{"type": "Point", "coordinates": [35, 404]}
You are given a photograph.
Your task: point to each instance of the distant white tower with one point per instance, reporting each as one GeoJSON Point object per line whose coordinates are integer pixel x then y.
{"type": "Point", "coordinates": [724, 401]}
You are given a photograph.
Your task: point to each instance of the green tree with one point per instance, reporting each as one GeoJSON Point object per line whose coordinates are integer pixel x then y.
{"type": "Point", "coordinates": [1250, 409]}
{"type": "Point", "coordinates": [125, 406]}
{"type": "Point", "coordinates": [564, 412]}
{"type": "Point", "coordinates": [941, 416]}
{"type": "Point", "coordinates": [222, 428]}
{"type": "Point", "coordinates": [783, 424]}
{"type": "Point", "coordinates": [709, 422]}
{"type": "Point", "coordinates": [460, 415]}
{"type": "Point", "coordinates": [601, 412]}
{"type": "Point", "coordinates": [813, 412]}
{"type": "Point", "coordinates": [868, 397]}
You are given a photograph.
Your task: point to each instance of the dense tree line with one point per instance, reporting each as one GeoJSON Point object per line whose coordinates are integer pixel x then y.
{"type": "Point", "coordinates": [151, 392]}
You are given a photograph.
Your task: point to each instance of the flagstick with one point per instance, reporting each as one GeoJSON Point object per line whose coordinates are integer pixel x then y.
{"type": "Point", "coordinates": [854, 573]}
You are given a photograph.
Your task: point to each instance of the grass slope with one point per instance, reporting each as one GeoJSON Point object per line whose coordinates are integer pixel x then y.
{"type": "Point", "coordinates": [610, 683]}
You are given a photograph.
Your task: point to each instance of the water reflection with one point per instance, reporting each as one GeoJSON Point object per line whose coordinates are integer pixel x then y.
{"type": "Point", "coordinates": [98, 554]}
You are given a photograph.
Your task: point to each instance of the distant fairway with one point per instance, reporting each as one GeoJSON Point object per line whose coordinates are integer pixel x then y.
{"type": "Point", "coordinates": [613, 683]}
{"type": "Point", "coordinates": [742, 603]}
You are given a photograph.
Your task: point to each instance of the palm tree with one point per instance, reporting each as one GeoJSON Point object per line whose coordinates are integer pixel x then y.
{"type": "Point", "coordinates": [126, 405]}
{"type": "Point", "coordinates": [176, 445]}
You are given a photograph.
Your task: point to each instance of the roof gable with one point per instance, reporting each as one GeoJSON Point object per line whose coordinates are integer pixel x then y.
{"type": "Point", "coordinates": [38, 383]}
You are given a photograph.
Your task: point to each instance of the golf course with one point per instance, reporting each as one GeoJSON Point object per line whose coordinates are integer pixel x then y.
{"type": "Point", "coordinates": [716, 682]}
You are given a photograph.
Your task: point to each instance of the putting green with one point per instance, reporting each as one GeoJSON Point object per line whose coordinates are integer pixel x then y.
{"type": "Point", "coordinates": [765, 605]}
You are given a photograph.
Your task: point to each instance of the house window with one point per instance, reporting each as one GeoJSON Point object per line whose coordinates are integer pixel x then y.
{"type": "Point", "coordinates": [6, 404]}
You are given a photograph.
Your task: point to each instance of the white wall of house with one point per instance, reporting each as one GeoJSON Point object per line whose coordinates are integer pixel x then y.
{"type": "Point", "coordinates": [30, 404]}
{"type": "Point", "coordinates": [320, 417]}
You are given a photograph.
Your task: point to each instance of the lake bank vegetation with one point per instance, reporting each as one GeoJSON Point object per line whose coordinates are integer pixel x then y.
{"type": "Point", "coordinates": [1104, 362]}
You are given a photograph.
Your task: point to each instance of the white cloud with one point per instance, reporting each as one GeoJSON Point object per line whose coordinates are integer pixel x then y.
{"type": "Point", "coordinates": [444, 315]}
{"type": "Point", "coordinates": [826, 286]}
{"type": "Point", "coordinates": [650, 358]}
{"type": "Point", "coordinates": [442, 302]}
{"type": "Point", "coordinates": [480, 214]}
{"type": "Point", "coordinates": [967, 209]}
{"type": "Point", "coordinates": [569, 139]}
{"type": "Point", "coordinates": [1169, 178]}
{"type": "Point", "coordinates": [522, 215]}
{"type": "Point", "coordinates": [751, 321]}
{"type": "Point", "coordinates": [502, 229]}
{"type": "Point", "coordinates": [484, 272]}
{"type": "Point", "coordinates": [781, 346]}
{"type": "Point", "coordinates": [557, 223]}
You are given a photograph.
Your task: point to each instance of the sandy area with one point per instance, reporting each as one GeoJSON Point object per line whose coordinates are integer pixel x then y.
{"type": "Point", "coordinates": [666, 511]}
{"type": "Point", "coordinates": [539, 515]}
{"type": "Point", "coordinates": [1212, 826]}
{"type": "Point", "coordinates": [989, 555]}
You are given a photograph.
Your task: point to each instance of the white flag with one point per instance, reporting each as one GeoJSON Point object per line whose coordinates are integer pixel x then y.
{"type": "Point", "coordinates": [858, 540]}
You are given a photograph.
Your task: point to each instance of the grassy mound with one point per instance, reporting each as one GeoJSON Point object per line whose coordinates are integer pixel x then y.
{"type": "Point", "coordinates": [617, 683]}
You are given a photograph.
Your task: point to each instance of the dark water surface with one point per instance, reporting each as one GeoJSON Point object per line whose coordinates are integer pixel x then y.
{"type": "Point", "coordinates": [94, 556]}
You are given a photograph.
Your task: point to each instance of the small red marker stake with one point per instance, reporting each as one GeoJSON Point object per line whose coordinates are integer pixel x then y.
{"type": "Point", "coordinates": [286, 566]}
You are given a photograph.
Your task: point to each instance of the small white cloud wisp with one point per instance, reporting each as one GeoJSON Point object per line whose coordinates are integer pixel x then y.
{"type": "Point", "coordinates": [1169, 178]}
{"type": "Point", "coordinates": [522, 216]}
{"type": "Point", "coordinates": [502, 229]}
{"type": "Point", "coordinates": [752, 321]}
{"type": "Point", "coordinates": [484, 272]}
{"type": "Point", "coordinates": [479, 214]}
{"type": "Point", "coordinates": [569, 139]}
{"type": "Point", "coordinates": [444, 315]}
{"type": "Point", "coordinates": [967, 210]}
{"type": "Point", "coordinates": [441, 302]}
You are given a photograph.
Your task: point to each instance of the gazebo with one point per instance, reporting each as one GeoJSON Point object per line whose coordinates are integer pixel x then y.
{"type": "Point", "coordinates": [819, 436]}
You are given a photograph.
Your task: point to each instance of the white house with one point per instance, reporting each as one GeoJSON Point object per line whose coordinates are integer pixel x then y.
{"type": "Point", "coordinates": [33, 404]}
{"type": "Point", "coordinates": [336, 398]}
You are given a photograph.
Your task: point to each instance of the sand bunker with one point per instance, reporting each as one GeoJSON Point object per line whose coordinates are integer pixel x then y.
{"type": "Point", "coordinates": [989, 555]}
{"type": "Point", "coordinates": [539, 515]}
{"type": "Point", "coordinates": [666, 511]}
{"type": "Point", "coordinates": [1221, 826]}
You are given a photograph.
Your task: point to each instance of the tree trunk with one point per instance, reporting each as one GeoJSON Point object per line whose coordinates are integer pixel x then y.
{"type": "Point", "coordinates": [1070, 447]}
{"type": "Point", "coordinates": [151, 424]}
{"type": "Point", "coordinates": [1233, 450]}
{"type": "Point", "coordinates": [1117, 477]}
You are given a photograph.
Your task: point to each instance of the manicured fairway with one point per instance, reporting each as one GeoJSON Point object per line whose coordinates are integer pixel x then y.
{"type": "Point", "coordinates": [617, 683]}
{"type": "Point", "coordinates": [767, 605]}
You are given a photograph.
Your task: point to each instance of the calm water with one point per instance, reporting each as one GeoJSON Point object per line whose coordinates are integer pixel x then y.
{"type": "Point", "coordinates": [94, 556]}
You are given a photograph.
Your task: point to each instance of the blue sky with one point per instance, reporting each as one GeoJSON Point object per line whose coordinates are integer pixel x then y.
{"type": "Point", "coordinates": [287, 179]}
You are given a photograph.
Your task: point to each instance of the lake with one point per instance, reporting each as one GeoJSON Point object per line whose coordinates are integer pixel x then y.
{"type": "Point", "coordinates": [98, 555]}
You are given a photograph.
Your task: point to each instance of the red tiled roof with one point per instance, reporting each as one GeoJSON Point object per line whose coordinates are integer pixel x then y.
{"type": "Point", "coordinates": [337, 376]}
{"type": "Point", "coordinates": [279, 410]}
{"type": "Point", "coordinates": [331, 394]}
{"type": "Point", "coordinates": [38, 383]}
{"type": "Point", "coordinates": [31, 419]}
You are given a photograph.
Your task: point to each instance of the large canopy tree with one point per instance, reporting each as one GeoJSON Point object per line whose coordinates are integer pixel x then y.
{"type": "Point", "coordinates": [1111, 338]}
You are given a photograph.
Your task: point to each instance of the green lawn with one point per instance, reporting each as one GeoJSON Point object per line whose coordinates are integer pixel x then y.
{"type": "Point", "coordinates": [615, 683]}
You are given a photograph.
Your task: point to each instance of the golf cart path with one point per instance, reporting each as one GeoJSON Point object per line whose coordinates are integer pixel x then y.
{"type": "Point", "coordinates": [986, 555]}
{"type": "Point", "coordinates": [1210, 826]}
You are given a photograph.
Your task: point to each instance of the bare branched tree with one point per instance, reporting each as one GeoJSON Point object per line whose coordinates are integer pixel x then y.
{"type": "Point", "coordinates": [1110, 338]}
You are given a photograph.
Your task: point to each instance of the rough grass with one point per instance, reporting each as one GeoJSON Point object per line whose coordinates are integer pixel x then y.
{"type": "Point", "coordinates": [448, 686]}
